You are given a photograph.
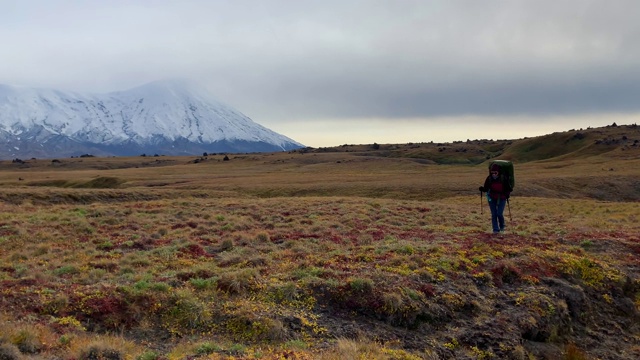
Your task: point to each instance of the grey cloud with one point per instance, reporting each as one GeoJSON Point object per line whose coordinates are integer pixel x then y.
{"type": "Point", "coordinates": [340, 58]}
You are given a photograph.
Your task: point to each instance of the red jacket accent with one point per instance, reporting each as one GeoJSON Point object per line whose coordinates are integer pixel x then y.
{"type": "Point", "coordinates": [497, 188]}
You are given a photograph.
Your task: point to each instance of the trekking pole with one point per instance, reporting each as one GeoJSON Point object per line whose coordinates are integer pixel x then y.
{"type": "Point", "coordinates": [481, 208]}
{"type": "Point", "coordinates": [509, 206]}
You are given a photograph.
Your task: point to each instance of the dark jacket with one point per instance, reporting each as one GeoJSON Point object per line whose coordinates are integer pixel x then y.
{"type": "Point", "coordinates": [497, 188]}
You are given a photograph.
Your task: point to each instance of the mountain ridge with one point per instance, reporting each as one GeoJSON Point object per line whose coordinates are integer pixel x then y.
{"type": "Point", "coordinates": [168, 116]}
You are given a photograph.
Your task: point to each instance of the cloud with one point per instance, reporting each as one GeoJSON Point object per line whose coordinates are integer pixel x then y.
{"type": "Point", "coordinates": [467, 58]}
{"type": "Point", "coordinates": [340, 59]}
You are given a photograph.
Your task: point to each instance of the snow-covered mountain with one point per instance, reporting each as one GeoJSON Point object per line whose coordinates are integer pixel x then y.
{"type": "Point", "coordinates": [169, 117]}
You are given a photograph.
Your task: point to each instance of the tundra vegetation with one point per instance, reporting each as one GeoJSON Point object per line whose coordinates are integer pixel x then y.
{"type": "Point", "coordinates": [353, 252]}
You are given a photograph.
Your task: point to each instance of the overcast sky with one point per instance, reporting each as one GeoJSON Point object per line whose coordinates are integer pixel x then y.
{"type": "Point", "coordinates": [338, 72]}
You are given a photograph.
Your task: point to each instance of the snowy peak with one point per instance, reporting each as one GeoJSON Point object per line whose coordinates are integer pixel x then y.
{"type": "Point", "coordinates": [166, 113]}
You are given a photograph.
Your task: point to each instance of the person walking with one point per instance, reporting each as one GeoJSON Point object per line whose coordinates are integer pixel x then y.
{"type": "Point", "coordinates": [498, 190]}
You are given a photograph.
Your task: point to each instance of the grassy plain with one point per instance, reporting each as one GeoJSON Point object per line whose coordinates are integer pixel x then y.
{"type": "Point", "coordinates": [353, 252]}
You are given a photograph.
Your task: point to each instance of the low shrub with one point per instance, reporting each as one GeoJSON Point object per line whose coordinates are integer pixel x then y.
{"type": "Point", "coordinates": [186, 313]}
{"type": "Point", "coordinates": [203, 284]}
{"type": "Point", "coordinates": [207, 348]}
{"type": "Point", "coordinates": [149, 355]}
{"type": "Point", "coordinates": [9, 352]}
{"type": "Point", "coordinates": [239, 282]}
{"type": "Point", "coordinates": [27, 342]}
{"type": "Point", "coordinates": [361, 286]}
{"type": "Point", "coordinates": [66, 270]}
{"type": "Point", "coordinates": [101, 352]}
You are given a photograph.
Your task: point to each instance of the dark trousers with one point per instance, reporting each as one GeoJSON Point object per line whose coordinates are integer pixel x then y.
{"type": "Point", "coordinates": [497, 210]}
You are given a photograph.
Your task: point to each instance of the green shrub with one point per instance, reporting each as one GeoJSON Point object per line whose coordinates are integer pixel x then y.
{"type": "Point", "coordinates": [245, 325]}
{"type": "Point", "coordinates": [226, 245]}
{"type": "Point", "coordinates": [284, 293]}
{"type": "Point", "coordinates": [202, 284]}
{"type": "Point", "coordinates": [392, 302]}
{"type": "Point", "coordinates": [308, 272]}
{"type": "Point", "coordinates": [66, 270]}
{"type": "Point", "coordinates": [262, 237]}
{"type": "Point", "coordinates": [20, 270]}
{"type": "Point", "coordinates": [160, 287]}
{"type": "Point", "coordinates": [360, 285]}
{"type": "Point", "coordinates": [405, 250]}
{"type": "Point", "coordinates": [100, 352]}
{"type": "Point", "coordinates": [26, 342]}
{"type": "Point", "coordinates": [151, 285]}
{"type": "Point", "coordinates": [142, 285]}
{"type": "Point", "coordinates": [239, 282]}
{"type": "Point", "coordinates": [186, 313]}
{"type": "Point", "coordinates": [64, 339]}
{"type": "Point", "coordinates": [55, 305]}
{"type": "Point", "coordinates": [207, 348]}
{"type": "Point", "coordinates": [105, 245]}
{"type": "Point", "coordinates": [148, 355]}
{"type": "Point", "coordinates": [237, 349]}
{"type": "Point", "coordinates": [296, 344]}
{"type": "Point", "coordinates": [586, 244]}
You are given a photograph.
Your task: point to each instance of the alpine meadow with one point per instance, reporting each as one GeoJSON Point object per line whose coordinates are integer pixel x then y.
{"type": "Point", "coordinates": [378, 251]}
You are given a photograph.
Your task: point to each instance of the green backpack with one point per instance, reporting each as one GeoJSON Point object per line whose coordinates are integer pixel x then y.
{"type": "Point", "coordinates": [506, 169]}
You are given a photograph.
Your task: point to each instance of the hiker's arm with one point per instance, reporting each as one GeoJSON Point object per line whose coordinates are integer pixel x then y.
{"type": "Point", "coordinates": [486, 185]}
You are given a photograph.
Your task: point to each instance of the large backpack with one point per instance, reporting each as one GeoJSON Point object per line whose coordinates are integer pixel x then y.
{"type": "Point", "coordinates": [506, 169]}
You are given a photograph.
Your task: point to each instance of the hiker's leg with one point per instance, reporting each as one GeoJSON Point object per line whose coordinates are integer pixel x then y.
{"type": "Point", "coordinates": [500, 211]}
{"type": "Point", "coordinates": [494, 215]}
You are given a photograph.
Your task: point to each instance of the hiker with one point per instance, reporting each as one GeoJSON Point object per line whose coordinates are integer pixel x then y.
{"type": "Point", "coordinates": [498, 189]}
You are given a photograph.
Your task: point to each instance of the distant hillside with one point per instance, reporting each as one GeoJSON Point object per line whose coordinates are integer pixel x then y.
{"type": "Point", "coordinates": [613, 140]}
{"type": "Point", "coordinates": [597, 164]}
